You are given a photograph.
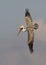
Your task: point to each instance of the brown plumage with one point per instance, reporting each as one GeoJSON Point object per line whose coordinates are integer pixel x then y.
{"type": "Point", "coordinates": [30, 30]}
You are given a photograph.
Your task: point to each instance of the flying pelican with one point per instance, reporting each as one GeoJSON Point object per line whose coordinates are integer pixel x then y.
{"type": "Point", "coordinates": [29, 28]}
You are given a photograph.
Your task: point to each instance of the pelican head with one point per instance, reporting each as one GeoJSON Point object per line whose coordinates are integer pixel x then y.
{"type": "Point", "coordinates": [21, 28]}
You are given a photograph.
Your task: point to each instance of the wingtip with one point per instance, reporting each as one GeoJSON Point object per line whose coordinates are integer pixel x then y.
{"type": "Point", "coordinates": [27, 13]}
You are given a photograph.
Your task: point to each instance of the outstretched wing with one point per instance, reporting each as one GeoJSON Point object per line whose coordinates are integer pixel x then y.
{"type": "Point", "coordinates": [30, 30]}
{"type": "Point", "coordinates": [28, 18]}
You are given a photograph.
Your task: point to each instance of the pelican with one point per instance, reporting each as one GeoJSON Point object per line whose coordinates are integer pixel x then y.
{"type": "Point", "coordinates": [30, 27]}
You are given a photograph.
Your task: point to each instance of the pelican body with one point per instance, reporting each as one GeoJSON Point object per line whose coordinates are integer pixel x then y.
{"type": "Point", "coordinates": [30, 29]}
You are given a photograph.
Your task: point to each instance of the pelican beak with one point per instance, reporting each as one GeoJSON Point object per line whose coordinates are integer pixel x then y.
{"type": "Point", "coordinates": [19, 31]}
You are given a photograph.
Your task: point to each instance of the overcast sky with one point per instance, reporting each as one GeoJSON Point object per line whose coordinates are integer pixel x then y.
{"type": "Point", "coordinates": [13, 49]}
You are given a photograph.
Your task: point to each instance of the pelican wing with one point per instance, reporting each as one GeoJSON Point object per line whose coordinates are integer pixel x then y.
{"type": "Point", "coordinates": [30, 30]}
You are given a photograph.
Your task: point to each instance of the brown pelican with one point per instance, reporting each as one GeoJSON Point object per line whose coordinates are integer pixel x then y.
{"type": "Point", "coordinates": [29, 28]}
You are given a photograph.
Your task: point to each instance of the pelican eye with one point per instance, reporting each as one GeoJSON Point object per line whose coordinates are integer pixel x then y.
{"type": "Point", "coordinates": [21, 28]}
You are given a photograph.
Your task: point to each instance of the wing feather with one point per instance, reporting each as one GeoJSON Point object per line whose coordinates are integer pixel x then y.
{"type": "Point", "coordinates": [30, 30]}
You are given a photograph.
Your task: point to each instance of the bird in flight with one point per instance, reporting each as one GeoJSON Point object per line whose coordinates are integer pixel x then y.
{"type": "Point", "coordinates": [30, 27]}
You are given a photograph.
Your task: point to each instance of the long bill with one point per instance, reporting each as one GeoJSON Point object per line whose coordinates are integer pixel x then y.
{"type": "Point", "coordinates": [19, 31]}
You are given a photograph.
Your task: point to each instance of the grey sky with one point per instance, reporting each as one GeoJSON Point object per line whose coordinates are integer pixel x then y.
{"type": "Point", "coordinates": [13, 49]}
